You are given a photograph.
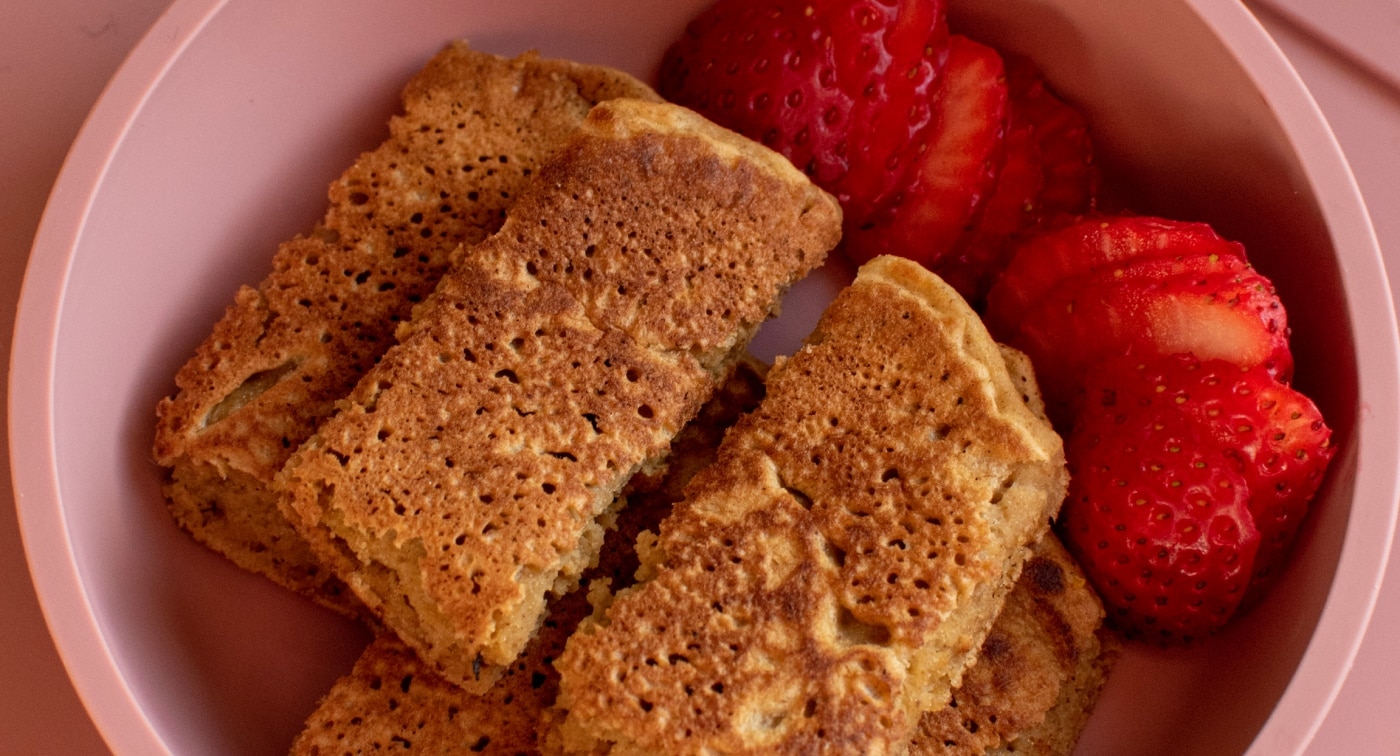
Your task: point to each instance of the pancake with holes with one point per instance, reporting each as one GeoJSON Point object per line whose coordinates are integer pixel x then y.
{"type": "Point", "coordinates": [1043, 664]}
{"type": "Point", "coordinates": [391, 697]}
{"type": "Point", "coordinates": [1037, 678]}
{"type": "Point", "coordinates": [473, 131]}
{"type": "Point", "coordinates": [464, 478]}
{"type": "Point", "coordinates": [830, 577]}
{"type": "Point", "coordinates": [1039, 671]}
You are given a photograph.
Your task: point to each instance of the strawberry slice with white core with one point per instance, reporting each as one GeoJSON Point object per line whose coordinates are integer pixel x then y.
{"type": "Point", "coordinates": [1204, 305]}
{"type": "Point", "coordinates": [972, 264]}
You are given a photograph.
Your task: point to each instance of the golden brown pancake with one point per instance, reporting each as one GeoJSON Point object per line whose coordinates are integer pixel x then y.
{"type": "Point", "coordinates": [392, 699]}
{"type": "Point", "coordinates": [467, 475]}
{"type": "Point", "coordinates": [1031, 691]}
{"type": "Point", "coordinates": [830, 577]}
{"type": "Point", "coordinates": [1044, 662]}
{"type": "Point", "coordinates": [473, 131]}
{"type": "Point", "coordinates": [1038, 674]}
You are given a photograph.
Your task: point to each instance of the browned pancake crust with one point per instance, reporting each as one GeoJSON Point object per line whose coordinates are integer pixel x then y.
{"type": "Point", "coordinates": [1044, 662]}
{"type": "Point", "coordinates": [474, 129]}
{"type": "Point", "coordinates": [463, 478]}
{"type": "Point", "coordinates": [1039, 672]}
{"type": "Point", "coordinates": [831, 575]}
{"type": "Point", "coordinates": [650, 495]}
{"type": "Point", "coordinates": [1038, 675]}
{"type": "Point", "coordinates": [391, 699]}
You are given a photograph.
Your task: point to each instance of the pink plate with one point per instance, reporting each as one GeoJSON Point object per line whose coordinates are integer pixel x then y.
{"type": "Point", "coordinates": [217, 140]}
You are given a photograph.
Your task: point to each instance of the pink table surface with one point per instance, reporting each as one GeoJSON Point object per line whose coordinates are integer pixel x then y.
{"type": "Point", "coordinates": [55, 57]}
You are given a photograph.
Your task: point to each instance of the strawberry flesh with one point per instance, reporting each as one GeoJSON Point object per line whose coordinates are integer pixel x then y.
{"type": "Point", "coordinates": [1048, 177]}
{"type": "Point", "coordinates": [940, 192]}
{"type": "Point", "coordinates": [841, 88]}
{"type": "Point", "coordinates": [1289, 462]}
{"type": "Point", "coordinates": [1159, 521]}
{"type": "Point", "coordinates": [1042, 262]}
{"type": "Point", "coordinates": [1011, 207]}
{"type": "Point", "coordinates": [1071, 177]}
{"type": "Point", "coordinates": [1208, 306]}
{"type": "Point", "coordinates": [1274, 436]}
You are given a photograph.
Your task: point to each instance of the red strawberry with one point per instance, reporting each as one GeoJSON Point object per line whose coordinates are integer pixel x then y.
{"type": "Point", "coordinates": [1010, 208]}
{"type": "Point", "coordinates": [1159, 521]}
{"type": "Point", "coordinates": [1289, 462]}
{"type": "Point", "coordinates": [952, 171]}
{"type": "Point", "coordinates": [841, 87]}
{"type": "Point", "coordinates": [1274, 436]}
{"type": "Point", "coordinates": [1042, 262]}
{"type": "Point", "coordinates": [1048, 175]}
{"type": "Point", "coordinates": [1062, 135]}
{"type": "Point", "coordinates": [1211, 307]}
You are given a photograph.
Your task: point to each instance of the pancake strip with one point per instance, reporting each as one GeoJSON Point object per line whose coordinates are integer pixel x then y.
{"type": "Point", "coordinates": [1043, 664]}
{"type": "Point", "coordinates": [1031, 692]}
{"type": "Point", "coordinates": [829, 578]}
{"type": "Point", "coordinates": [464, 477]}
{"type": "Point", "coordinates": [1038, 674]}
{"type": "Point", "coordinates": [473, 130]}
{"type": "Point", "coordinates": [393, 698]}
{"type": "Point", "coordinates": [1036, 680]}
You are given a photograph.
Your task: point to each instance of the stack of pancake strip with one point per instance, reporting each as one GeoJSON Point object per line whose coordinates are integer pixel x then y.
{"type": "Point", "coordinates": [473, 131]}
{"type": "Point", "coordinates": [433, 412]}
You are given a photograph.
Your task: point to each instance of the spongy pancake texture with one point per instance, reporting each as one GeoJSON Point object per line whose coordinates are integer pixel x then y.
{"type": "Point", "coordinates": [464, 477]}
{"type": "Point", "coordinates": [391, 699]}
{"type": "Point", "coordinates": [1038, 674]}
{"type": "Point", "coordinates": [684, 239]}
{"type": "Point", "coordinates": [829, 578]}
{"type": "Point", "coordinates": [1037, 678]}
{"type": "Point", "coordinates": [473, 131]}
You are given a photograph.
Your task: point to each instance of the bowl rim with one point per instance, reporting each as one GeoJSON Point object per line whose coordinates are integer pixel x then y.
{"type": "Point", "coordinates": [126, 727]}
{"type": "Point", "coordinates": [1351, 599]}
{"type": "Point", "coordinates": [63, 599]}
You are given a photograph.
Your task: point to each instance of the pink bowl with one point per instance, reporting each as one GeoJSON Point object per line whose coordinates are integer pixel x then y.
{"type": "Point", "coordinates": [217, 140]}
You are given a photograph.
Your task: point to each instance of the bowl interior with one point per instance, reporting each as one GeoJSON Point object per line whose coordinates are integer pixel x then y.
{"type": "Point", "coordinates": [218, 140]}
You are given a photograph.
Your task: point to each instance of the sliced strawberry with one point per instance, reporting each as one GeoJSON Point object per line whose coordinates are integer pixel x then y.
{"type": "Point", "coordinates": [1040, 263]}
{"type": "Point", "coordinates": [1289, 464]}
{"type": "Point", "coordinates": [886, 130]}
{"type": "Point", "coordinates": [1160, 522]}
{"type": "Point", "coordinates": [1062, 136]}
{"type": "Point", "coordinates": [832, 84]}
{"type": "Point", "coordinates": [1011, 208]}
{"type": "Point", "coordinates": [1208, 306]}
{"type": "Point", "coordinates": [1275, 436]}
{"type": "Point", "coordinates": [953, 171]}
{"type": "Point", "coordinates": [1049, 175]}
